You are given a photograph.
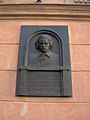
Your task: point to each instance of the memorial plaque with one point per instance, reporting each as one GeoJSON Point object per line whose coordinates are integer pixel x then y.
{"type": "Point", "coordinates": [44, 63]}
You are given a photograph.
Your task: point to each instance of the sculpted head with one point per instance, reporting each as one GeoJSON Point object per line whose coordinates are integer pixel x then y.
{"type": "Point", "coordinates": [44, 43]}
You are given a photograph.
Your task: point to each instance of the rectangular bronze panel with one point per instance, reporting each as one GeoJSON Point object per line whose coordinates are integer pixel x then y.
{"type": "Point", "coordinates": [44, 62]}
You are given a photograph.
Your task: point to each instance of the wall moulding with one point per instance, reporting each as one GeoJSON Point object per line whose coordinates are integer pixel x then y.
{"type": "Point", "coordinates": [44, 11]}
{"type": "Point", "coordinates": [85, 2]}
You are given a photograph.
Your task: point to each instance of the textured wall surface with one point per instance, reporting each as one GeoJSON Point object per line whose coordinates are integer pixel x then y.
{"type": "Point", "coordinates": [33, 1]}
{"type": "Point", "coordinates": [41, 108]}
{"type": "Point", "coordinates": [80, 2]}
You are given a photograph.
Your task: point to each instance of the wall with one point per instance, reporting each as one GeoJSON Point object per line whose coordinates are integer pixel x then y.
{"type": "Point", "coordinates": [80, 2]}
{"type": "Point", "coordinates": [45, 108]}
{"type": "Point", "coordinates": [33, 1]}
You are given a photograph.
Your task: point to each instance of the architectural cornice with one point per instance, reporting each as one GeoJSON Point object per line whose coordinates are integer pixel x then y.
{"type": "Point", "coordinates": [44, 11]}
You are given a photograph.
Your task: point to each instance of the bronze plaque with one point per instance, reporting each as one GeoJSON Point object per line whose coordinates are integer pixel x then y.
{"type": "Point", "coordinates": [41, 63]}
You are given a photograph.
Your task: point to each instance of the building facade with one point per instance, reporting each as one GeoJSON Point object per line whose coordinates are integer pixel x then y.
{"type": "Point", "coordinates": [72, 13]}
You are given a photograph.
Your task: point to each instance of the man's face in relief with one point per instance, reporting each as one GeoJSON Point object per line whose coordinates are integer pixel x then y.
{"type": "Point", "coordinates": [44, 45]}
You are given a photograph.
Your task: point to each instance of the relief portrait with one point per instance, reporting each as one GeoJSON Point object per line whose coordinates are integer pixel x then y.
{"type": "Point", "coordinates": [44, 57]}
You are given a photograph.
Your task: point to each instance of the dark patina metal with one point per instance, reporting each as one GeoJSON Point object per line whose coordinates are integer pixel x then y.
{"type": "Point", "coordinates": [44, 62]}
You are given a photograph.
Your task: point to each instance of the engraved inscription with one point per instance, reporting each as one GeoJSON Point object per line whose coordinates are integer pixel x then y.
{"type": "Point", "coordinates": [44, 83]}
